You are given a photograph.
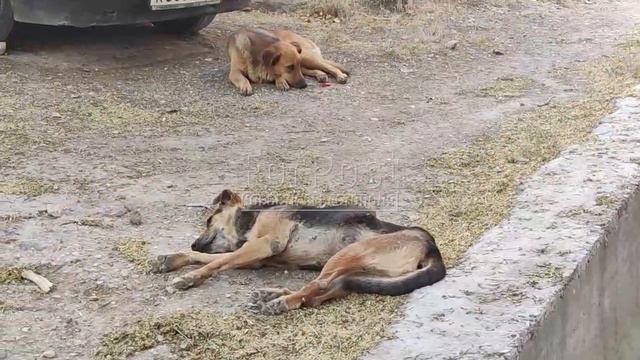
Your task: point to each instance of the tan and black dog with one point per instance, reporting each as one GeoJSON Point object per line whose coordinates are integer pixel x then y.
{"type": "Point", "coordinates": [280, 56]}
{"type": "Point", "coordinates": [356, 251]}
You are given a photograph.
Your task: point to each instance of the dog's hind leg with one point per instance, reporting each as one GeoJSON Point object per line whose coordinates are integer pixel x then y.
{"type": "Point", "coordinates": [326, 286]}
{"type": "Point", "coordinates": [312, 295]}
{"type": "Point", "coordinates": [171, 262]}
{"type": "Point", "coordinates": [334, 292]}
{"type": "Point", "coordinates": [314, 63]}
{"type": "Point", "coordinates": [240, 81]}
{"type": "Point", "coordinates": [321, 76]}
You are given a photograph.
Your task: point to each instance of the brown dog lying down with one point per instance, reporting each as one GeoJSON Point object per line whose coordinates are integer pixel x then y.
{"type": "Point", "coordinates": [280, 56]}
{"type": "Point", "coordinates": [357, 252]}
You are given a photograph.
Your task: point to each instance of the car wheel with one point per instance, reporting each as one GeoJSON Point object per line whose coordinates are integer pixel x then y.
{"type": "Point", "coordinates": [185, 26]}
{"type": "Point", "coordinates": [6, 19]}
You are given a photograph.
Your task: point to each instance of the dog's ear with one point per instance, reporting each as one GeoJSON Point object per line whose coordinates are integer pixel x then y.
{"type": "Point", "coordinates": [226, 198]}
{"type": "Point", "coordinates": [270, 57]}
{"type": "Point", "coordinates": [297, 47]}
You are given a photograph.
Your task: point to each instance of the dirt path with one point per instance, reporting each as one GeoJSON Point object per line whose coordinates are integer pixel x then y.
{"type": "Point", "coordinates": [128, 118]}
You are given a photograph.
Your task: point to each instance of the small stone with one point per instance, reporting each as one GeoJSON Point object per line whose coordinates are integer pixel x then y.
{"type": "Point", "coordinates": [56, 115]}
{"type": "Point", "coordinates": [54, 211]}
{"type": "Point", "coordinates": [25, 329]}
{"type": "Point", "coordinates": [135, 218]}
{"type": "Point", "coordinates": [497, 52]}
{"type": "Point", "coordinates": [451, 45]}
{"type": "Point", "coordinates": [374, 119]}
{"type": "Point", "coordinates": [93, 298]}
{"type": "Point", "coordinates": [324, 140]}
{"type": "Point", "coordinates": [49, 354]}
{"type": "Point", "coordinates": [3, 47]}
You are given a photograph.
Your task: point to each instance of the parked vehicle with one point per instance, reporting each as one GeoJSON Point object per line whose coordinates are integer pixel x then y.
{"type": "Point", "coordinates": [176, 16]}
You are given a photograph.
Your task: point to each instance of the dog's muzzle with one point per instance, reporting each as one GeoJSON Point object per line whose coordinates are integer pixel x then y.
{"type": "Point", "coordinates": [300, 84]}
{"type": "Point", "coordinates": [202, 244]}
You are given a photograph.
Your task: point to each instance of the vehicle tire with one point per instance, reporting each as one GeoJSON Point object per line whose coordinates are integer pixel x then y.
{"type": "Point", "coordinates": [6, 19]}
{"type": "Point", "coordinates": [185, 26]}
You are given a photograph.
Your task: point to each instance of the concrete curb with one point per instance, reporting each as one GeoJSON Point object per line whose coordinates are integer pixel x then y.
{"type": "Point", "coordinates": [493, 304]}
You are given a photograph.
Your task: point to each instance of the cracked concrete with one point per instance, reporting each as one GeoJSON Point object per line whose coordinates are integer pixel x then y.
{"type": "Point", "coordinates": [535, 282]}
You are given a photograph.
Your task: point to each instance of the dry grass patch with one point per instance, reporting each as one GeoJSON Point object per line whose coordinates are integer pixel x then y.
{"type": "Point", "coordinates": [505, 88]}
{"type": "Point", "coordinates": [331, 8]}
{"type": "Point", "coordinates": [11, 274]}
{"type": "Point", "coordinates": [280, 194]}
{"type": "Point", "coordinates": [12, 218]}
{"type": "Point", "coordinates": [135, 251]}
{"type": "Point", "coordinates": [14, 137]}
{"type": "Point", "coordinates": [349, 8]}
{"type": "Point", "coordinates": [296, 195]}
{"type": "Point", "coordinates": [608, 201]}
{"type": "Point", "coordinates": [26, 186]}
{"type": "Point", "coordinates": [5, 306]}
{"type": "Point", "coordinates": [482, 178]}
{"type": "Point", "coordinates": [339, 330]}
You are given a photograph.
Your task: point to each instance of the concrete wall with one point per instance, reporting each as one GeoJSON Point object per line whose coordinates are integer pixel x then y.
{"type": "Point", "coordinates": [598, 316]}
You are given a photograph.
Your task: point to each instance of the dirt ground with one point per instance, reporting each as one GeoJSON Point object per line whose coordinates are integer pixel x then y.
{"type": "Point", "coordinates": [97, 123]}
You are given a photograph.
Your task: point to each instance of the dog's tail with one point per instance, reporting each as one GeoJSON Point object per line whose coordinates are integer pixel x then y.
{"type": "Point", "coordinates": [340, 67]}
{"type": "Point", "coordinates": [433, 271]}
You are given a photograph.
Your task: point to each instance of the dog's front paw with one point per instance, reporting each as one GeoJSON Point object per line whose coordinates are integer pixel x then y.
{"type": "Point", "coordinates": [167, 263]}
{"type": "Point", "coordinates": [342, 78]}
{"type": "Point", "coordinates": [187, 281]}
{"type": "Point", "coordinates": [246, 90]}
{"type": "Point", "coordinates": [282, 85]}
{"type": "Point", "coordinates": [322, 78]}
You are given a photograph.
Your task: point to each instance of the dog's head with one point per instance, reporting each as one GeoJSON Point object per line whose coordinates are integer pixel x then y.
{"type": "Point", "coordinates": [282, 60]}
{"type": "Point", "coordinates": [220, 234]}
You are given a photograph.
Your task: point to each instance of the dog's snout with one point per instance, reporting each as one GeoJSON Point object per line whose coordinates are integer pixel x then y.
{"type": "Point", "coordinates": [301, 84]}
{"type": "Point", "coordinates": [200, 244]}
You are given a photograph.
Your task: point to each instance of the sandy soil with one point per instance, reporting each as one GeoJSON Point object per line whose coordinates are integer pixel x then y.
{"type": "Point", "coordinates": [124, 118]}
